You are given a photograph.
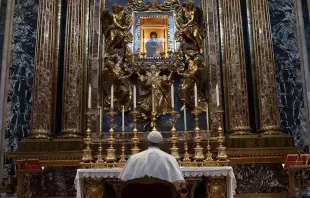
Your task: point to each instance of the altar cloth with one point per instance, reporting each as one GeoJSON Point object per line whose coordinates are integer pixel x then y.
{"type": "Point", "coordinates": [226, 171]}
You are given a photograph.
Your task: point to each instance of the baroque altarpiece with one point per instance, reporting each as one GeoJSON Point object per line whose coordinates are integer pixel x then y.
{"type": "Point", "coordinates": [176, 67]}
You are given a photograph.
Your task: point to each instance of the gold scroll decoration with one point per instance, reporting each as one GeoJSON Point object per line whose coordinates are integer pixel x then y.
{"type": "Point", "coordinates": [236, 94]}
{"type": "Point", "coordinates": [74, 68]}
{"type": "Point", "coordinates": [264, 69]}
{"type": "Point", "coordinates": [46, 56]}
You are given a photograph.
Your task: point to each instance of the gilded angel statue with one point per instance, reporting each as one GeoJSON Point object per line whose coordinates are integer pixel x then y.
{"type": "Point", "coordinates": [117, 74]}
{"type": "Point", "coordinates": [189, 25]}
{"type": "Point", "coordinates": [191, 74]}
{"type": "Point", "coordinates": [154, 84]}
{"type": "Point", "coordinates": [116, 28]}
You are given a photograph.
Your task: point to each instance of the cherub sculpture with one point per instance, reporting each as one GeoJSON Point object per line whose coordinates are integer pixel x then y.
{"type": "Point", "coordinates": [116, 28]}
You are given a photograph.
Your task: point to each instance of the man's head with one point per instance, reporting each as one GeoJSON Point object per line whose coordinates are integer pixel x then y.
{"type": "Point", "coordinates": [153, 35]}
{"type": "Point", "coordinates": [154, 138]}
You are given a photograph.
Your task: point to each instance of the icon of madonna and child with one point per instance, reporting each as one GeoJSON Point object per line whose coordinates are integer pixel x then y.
{"type": "Point", "coordinates": [154, 46]}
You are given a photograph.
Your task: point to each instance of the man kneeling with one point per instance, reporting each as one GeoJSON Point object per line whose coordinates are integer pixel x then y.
{"type": "Point", "coordinates": [154, 163]}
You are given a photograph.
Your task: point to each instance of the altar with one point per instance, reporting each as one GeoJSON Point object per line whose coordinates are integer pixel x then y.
{"type": "Point", "coordinates": [218, 181]}
{"type": "Point", "coordinates": [177, 67]}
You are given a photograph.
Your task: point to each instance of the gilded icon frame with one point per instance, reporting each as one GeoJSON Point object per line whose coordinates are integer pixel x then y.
{"type": "Point", "coordinates": [161, 22]}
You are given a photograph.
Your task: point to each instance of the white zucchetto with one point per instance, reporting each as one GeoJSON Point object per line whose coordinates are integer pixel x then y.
{"type": "Point", "coordinates": [155, 137]}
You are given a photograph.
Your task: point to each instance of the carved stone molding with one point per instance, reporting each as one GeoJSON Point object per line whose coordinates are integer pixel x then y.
{"type": "Point", "coordinates": [46, 65]}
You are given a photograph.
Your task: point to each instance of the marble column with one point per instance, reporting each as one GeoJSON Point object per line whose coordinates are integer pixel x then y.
{"type": "Point", "coordinates": [212, 53]}
{"type": "Point", "coordinates": [46, 63]}
{"type": "Point", "coordinates": [234, 67]}
{"type": "Point", "coordinates": [95, 48]}
{"type": "Point", "coordinates": [264, 68]}
{"type": "Point", "coordinates": [75, 68]}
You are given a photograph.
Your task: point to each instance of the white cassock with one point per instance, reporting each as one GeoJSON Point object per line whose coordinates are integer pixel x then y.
{"type": "Point", "coordinates": [154, 163]}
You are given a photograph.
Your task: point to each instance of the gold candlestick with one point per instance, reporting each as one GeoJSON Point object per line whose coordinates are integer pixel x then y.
{"type": "Point", "coordinates": [100, 157]}
{"type": "Point", "coordinates": [111, 151]}
{"type": "Point", "coordinates": [135, 139]}
{"type": "Point", "coordinates": [209, 154]}
{"type": "Point", "coordinates": [198, 149]}
{"type": "Point", "coordinates": [221, 155]}
{"type": "Point", "coordinates": [186, 160]}
{"type": "Point", "coordinates": [209, 160]}
{"type": "Point", "coordinates": [174, 139]}
{"type": "Point", "coordinates": [87, 152]}
{"type": "Point", "coordinates": [123, 155]}
{"type": "Point", "coordinates": [154, 120]}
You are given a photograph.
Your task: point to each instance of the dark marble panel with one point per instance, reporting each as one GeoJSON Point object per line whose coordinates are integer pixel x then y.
{"type": "Point", "coordinates": [306, 18]}
{"type": "Point", "coordinates": [260, 178]}
{"type": "Point", "coordinates": [288, 75]}
{"type": "Point", "coordinates": [21, 73]}
{"type": "Point", "coordinates": [3, 5]}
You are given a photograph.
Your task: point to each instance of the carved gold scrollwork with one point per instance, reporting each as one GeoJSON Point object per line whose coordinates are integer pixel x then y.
{"type": "Point", "coordinates": [268, 116]}
{"type": "Point", "coordinates": [74, 68]}
{"type": "Point", "coordinates": [45, 70]}
{"type": "Point", "coordinates": [235, 69]}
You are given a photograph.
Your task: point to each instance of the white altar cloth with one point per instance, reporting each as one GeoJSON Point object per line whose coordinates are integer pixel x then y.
{"type": "Point", "coordinates": [226, 171]}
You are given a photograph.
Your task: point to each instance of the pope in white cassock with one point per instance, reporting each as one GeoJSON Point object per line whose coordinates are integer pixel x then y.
{"type": "Point", "coordinates": [154, 163]}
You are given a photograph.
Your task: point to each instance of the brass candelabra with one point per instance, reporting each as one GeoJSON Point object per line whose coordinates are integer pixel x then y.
{"type": "Point", "coordinates": [111, 150]}
{"type": "Point", "coordinates": [87, 152]}
{"type": "Point", "coordinates": [135, 139]}
{"type": "Point", "coordinates": [197, 139]}
{"type": "Point", "coordinates": [174, 139]}
{"type": "Point", "coordinates": [221, 155]}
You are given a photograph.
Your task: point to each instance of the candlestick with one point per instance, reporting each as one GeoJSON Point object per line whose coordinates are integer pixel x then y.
{"type": "Point", "coordinates": [123, 149]}
{"type": "Point", "coordinates": [186, 159]}
{"type": "Point", "coordinates": [153, 102]}
{"type": "Point", "coordinates": [198, 149]}
{"type": "Point", "coordinates": [135, 139]}
{"type": "Point", "coordinates": [217, 95]}
{"type": "Point", "coordinates": [185, 121]}
{"type": "Point", "coordinates": [174, 139]}
{"type": "Point", "coordinates": [100, 119]}
{"type": "Point", "coordinates": [112, 97]}
{"type": "Point", "coordinates": [89, 96]}
{"type": "Point", "coordinates": [172, 96]}
{"type": "Point", "coordinates": [222, 156]}
{"type": "Point", "coordinates": [87, 152]}
{"type": "Point", "coordinates": [209, 160]}
{"type": "Point", "coordinates": [111, 151]}
{"type": "Point", "coordinates": [100, 157]}
{"type": "Point", "coordinates": [134, 97]}
{"type": "Point", "coordinates": [207, 117]}
{"type": "Point", "coordinates": [196, 96]}
{"type": "Point", "coordinates": [123, 119]}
